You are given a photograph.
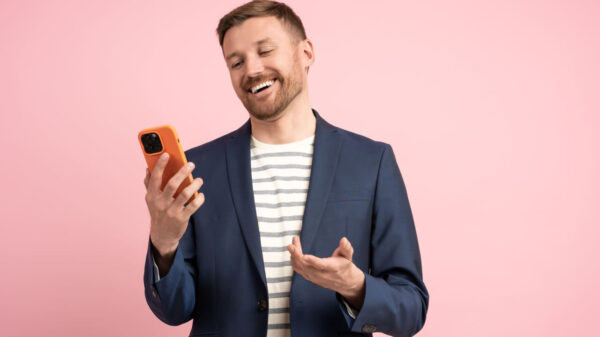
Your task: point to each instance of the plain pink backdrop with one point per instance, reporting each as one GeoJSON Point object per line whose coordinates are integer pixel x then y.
{"type": "Point", "coordinates": [492, 108]}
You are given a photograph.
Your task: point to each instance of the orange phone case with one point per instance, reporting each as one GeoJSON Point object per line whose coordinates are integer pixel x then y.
{"type": "Point", "coordinates": [170, 144]}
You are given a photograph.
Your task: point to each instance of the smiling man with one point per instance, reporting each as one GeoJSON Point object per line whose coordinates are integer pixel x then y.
{"type": "Point", "coordinates": [300, 228]}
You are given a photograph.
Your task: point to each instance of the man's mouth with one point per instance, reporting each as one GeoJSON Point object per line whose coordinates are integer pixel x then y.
{"type": "Point", "coordinates": [262, 86]}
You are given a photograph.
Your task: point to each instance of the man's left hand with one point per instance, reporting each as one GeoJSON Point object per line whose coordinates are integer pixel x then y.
{"type": "Point", "coordinates": [337, 272]}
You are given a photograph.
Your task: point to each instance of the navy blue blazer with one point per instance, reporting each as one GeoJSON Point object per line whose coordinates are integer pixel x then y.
{"type": "Point", "coordinates": [355, 190]}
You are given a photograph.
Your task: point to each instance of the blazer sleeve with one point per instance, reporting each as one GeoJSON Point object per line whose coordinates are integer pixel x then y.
{"type": "Point", "coordinates": [396, 298]}
{"type": "Point", "coordinates": [172, 297]}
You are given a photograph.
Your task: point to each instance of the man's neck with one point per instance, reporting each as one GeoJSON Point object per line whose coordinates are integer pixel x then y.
{"type": "Point", "coordinates": [295, 123]}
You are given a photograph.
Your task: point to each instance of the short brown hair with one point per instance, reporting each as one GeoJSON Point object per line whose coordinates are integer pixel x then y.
{"type": "Point", "coordinates": [258, 8]}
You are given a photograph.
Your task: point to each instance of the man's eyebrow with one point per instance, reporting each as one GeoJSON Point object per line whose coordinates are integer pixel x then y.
{"type": "Point", "coordinates": [259, 42]}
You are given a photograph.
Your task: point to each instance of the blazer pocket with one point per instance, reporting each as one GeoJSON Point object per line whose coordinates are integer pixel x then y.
{"type": "Point", "coordinates": [349, 195]}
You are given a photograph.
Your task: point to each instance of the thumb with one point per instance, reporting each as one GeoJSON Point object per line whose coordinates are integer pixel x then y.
{"type": "Point", "coordinates": [344, 250]}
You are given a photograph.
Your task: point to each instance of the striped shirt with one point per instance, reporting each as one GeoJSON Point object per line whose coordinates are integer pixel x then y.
{"type": "Point", "coordinates": [280, 177]}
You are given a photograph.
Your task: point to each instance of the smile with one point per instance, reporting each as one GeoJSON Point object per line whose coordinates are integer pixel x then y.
{"type": "Point", "coordinates": [262, 86]}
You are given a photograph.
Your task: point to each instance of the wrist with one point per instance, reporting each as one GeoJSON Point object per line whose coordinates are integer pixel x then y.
{"type": "Point", "coordinates": [164, 249]}
{"type": "Point", "coordinates": [354, 293]}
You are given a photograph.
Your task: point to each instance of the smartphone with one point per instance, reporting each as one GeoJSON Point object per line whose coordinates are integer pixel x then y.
{"type": "Point", "coordinates": [157, 140]}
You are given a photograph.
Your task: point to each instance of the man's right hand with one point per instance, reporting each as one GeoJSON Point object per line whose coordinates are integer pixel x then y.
{"type": "Point", "coordinates": [169, 217]}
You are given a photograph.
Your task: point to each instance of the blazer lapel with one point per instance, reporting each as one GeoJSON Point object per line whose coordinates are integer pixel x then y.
{"type": "Point", "coordinates": [325, 158]}
{"type": "Point", "coordinates": [240, 181]}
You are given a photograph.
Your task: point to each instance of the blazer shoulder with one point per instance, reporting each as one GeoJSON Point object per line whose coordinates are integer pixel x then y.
{"type": "Point", "coordinates": [360, 142]}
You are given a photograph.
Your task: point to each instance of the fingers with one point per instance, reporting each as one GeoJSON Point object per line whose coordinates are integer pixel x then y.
{"type": "Point", "coordinates": [193, 206]}
{"type": "Point", "coordinates": [187, 193]}
{"type": "Point", "coordinates": [175, 181]}
{"type": "Point", "coordinates": [301, 260]}
{"type": "Point", "coordinates": [157, 173]}
{"type": "Point", "coordinates": [297, 244]}
{"type": "Point", "coordinates": [295, 250]}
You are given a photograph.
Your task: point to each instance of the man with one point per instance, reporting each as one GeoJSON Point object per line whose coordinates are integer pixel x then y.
{"type": "Point", "coordinates": [301, 228]}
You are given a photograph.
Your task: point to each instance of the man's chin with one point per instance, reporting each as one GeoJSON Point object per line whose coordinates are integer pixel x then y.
{"type": "Point", "coordinates": [263, 115]}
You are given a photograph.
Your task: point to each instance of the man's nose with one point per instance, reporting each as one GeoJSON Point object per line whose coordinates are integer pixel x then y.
{"type": "Point", "coordinates": [254, 66]}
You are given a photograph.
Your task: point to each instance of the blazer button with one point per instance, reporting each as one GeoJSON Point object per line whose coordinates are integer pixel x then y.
{"type": "Point", "coordinates": [369, 328]}
{"type": "Point", "coordinates": [262, 305]}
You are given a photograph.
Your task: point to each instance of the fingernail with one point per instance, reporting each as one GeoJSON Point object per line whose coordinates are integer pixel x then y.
{"type": "Point", "coordinates": [190, 165]}
{"type": "Point", "coordinates": [165, 155]}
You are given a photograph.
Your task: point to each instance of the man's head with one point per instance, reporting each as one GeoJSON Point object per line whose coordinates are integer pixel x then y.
{"type": "Point", "coordinates": [264, 42]}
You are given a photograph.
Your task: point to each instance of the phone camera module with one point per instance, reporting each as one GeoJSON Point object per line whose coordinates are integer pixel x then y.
{"type": "Point", "coordinates": [151, 143]}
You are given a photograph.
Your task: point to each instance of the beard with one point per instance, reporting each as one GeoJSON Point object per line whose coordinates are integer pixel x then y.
{"type": "Point", "coordinates": [264, 110]}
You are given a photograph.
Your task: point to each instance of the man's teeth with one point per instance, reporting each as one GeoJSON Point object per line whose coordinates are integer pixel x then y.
{"type": "Point", "coordinates": [262, 85]}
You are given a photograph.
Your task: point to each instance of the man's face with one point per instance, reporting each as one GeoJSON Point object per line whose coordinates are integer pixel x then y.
{"type": "Point", "coordinates": [260, 52]}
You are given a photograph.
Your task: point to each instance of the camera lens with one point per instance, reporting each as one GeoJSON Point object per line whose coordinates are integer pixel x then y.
{"type": "Point", "coordinates": [151, 143]}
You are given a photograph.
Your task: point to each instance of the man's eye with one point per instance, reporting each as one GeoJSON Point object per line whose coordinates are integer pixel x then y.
{"type": "Point", "coordinates": [265, 52]}
{"type": "Point", "coordinates": [235, 65]}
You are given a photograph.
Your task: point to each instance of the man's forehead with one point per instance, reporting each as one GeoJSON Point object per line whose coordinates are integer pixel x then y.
{"type": "Point", "coordinates": [260, 41]}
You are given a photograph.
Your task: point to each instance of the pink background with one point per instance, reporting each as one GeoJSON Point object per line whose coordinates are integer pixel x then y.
{"type": "Point", "coordinates": [492, 108]}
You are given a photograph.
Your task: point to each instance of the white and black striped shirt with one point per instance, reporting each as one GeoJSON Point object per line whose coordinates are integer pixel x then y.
{"type": "Point", "coordinates": [280, 177]}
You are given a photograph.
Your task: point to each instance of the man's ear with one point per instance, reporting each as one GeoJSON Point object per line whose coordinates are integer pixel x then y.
{"type": "Point", "coordinates": [308, 53]}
